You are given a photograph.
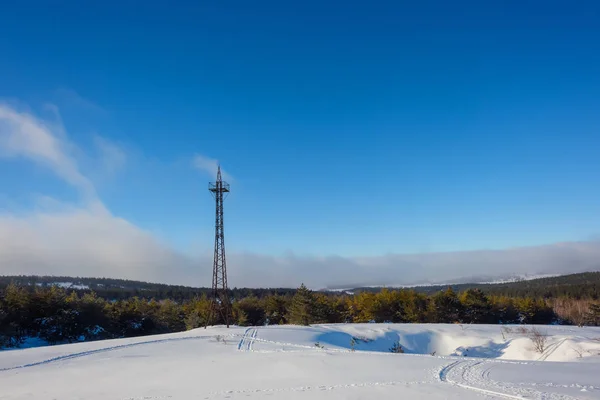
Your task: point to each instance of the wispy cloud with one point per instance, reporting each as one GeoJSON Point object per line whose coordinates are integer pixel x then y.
{"type": "Point", "coordinates": [23, 135]}
{"type": "Point", "coordinates": [71, 98]}
{"type": "Point", "coordinates": [111, 156]}
{"type": "Point", "coordinates": [209, 166]}
{"type": "Point", "coordinates": [74, 239]}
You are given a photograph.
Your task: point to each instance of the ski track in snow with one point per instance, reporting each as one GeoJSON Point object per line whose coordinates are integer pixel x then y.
{"type": "Point", "coordinates": [551, 349]}
{"type": "Point", "coordinates": [475, 375]}
{"type": "Point", "coordinates": [254, 334]}
{"type": "Point", "coordinates": [148, 398]}
{"type": "Point", "coordinates": [249, 392]}
{"type": "Point", "coordinates": [102, 350]}
{"type": "Point", "coordinates": [248, 339]}
{"type": "Point", "coordinates": [243, 339]}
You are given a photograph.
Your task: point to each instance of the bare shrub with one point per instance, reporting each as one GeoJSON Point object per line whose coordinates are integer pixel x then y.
{"type": "Point", "coordinates": [572, 311]}
{"type": "Point", "coordinates": [505, 331]}
{"type": "Point", "coordinates": [539, 339]}
{"type": "Point", "coordinates": [221, 338]}
{"type": "Point", "coordinates": [579, 352]}
{"type": "Point", "coordinates": [521, 330]}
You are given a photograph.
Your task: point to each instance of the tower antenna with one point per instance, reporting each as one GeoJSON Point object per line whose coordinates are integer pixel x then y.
{"type": "Point", "coordinates": [219, 301]}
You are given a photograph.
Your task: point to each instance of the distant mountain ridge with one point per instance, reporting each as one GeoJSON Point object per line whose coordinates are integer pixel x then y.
{"type": "Point", "coordinates": [586, 284]}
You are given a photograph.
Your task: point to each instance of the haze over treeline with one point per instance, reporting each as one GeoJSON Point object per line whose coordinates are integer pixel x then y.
{"type": "Point", "coordinates": [147, 261]}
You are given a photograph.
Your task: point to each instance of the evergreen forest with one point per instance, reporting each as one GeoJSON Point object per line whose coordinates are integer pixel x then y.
{"type": "Point", "coordinates": [33, 308]}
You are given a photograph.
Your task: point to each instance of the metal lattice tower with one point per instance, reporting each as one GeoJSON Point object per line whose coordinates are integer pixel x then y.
{"type": "Point", "coordinates": [219, 302]}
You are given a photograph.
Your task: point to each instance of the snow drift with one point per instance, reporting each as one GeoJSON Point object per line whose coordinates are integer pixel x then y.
{"type": "Point", "coordinates": [508, 342]}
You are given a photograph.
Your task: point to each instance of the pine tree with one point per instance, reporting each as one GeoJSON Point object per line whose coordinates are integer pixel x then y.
{"type": "Point", "coordinates": [362, 306]}
{"type": "Point", "coordinates": [192, 321]}
{"type": "Point", "coordinates": [93, 318]}
{"type": "Point", "coordinates": [5, 334]}
{"type": "Point", "coordinates": [323, 311]}
{"type": "Point", "coordinates": [396, 347]}
{"type": "Point", "coordinates": [240, 315]}
{"type": "Point", "coordinates": [16, 319]}
{"type": "Point", "coordinates": [196, 312]}
{"type": "Point", "coordinates": [170, 317]}
{"type": "Point", "coordinates": [387, 306]}
{"type": "Point", "coordinates": [249, 311]}
{"type": "Point", "coordinates": [446, 307]}
{"type": "Point", "coordinates": [415, 309]}
{"type": "Point", "coordinates": [476, 307]}
{"type": "Point", "coordinates": [276, 309]}
{"type": "Point", "coordinates": [504, 310]}
{"type": "Point", "coordinates": [300, 311]}
{"type": "Point", "coordinates": [593, 315]}
{"type": "Point", "coordinates": [340, 310]}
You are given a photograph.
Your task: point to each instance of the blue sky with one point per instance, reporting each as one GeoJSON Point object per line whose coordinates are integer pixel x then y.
{"type": "Point", "coordinates": [348, 129]}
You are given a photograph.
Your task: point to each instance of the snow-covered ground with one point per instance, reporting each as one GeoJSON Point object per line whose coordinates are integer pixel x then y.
{"type": "Point", "coordinates": [65, 285]}
{"type": "Point", "coordinates": [293, 362]}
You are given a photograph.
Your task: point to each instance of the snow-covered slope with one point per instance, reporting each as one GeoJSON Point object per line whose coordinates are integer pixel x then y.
{"type": "Point", "coordinates": [469, 362]}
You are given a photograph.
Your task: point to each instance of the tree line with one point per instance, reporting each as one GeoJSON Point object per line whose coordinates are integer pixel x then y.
{"type": "Point", "coordinates": [580, 286]}
{"type": "Point", "coordinates": [120, 289]}
{"type": "Point", "coordinates": [58, 315]}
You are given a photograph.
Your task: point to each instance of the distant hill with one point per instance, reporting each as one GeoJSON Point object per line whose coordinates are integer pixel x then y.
{"type": "Point", "coordinates": [116, 289]}
{"type": "Point", "coordinates": [582, 285]}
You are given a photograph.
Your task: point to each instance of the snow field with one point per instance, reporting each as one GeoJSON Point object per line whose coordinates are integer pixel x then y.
{"type": "Point", "coordinates": [284, 362]}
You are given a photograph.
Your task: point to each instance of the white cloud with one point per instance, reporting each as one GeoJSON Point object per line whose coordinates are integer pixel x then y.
{"type": "Point", "coordinates": [92, 242]}
{"type": "Point", "coordinates": [398, 269]}
{"type": "Point", "coordinates": [86, 242]}
{"type": "Point", "coordinates": [209, 166]}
